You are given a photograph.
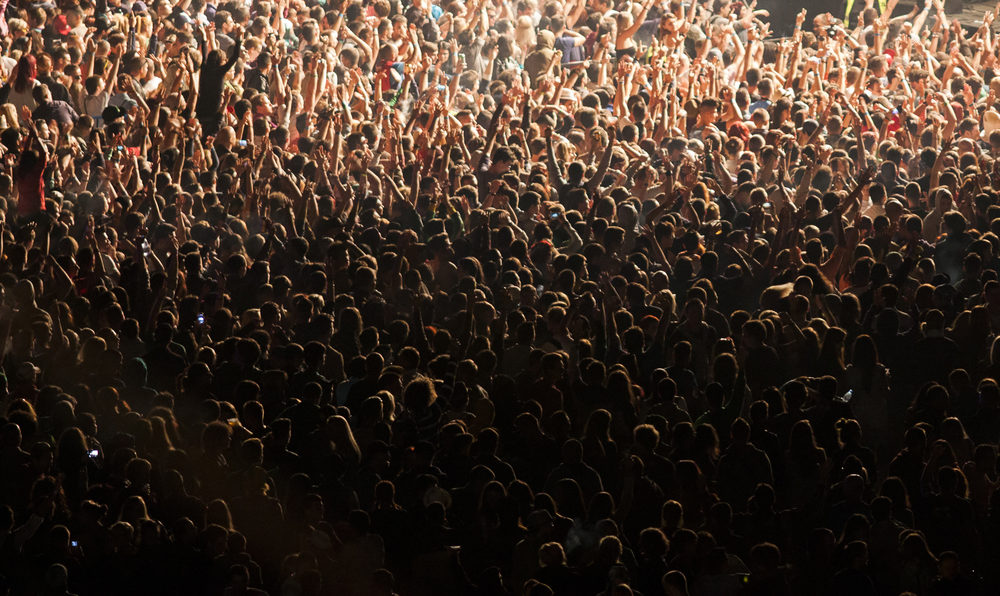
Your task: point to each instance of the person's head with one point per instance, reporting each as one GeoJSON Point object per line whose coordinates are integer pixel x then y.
{"type": "Point", "coordinates": [551, 554]}
{"type": "Point", "coordinates": [41, 94]}
{"type": "Point", "coordinates": [949, 565]}
{"type": "Point", "coordinates": [24, 73]}
{"type": "Point", "coordinates": [215, 59]}
{"type": "Point", "coordinates": [708, 110]}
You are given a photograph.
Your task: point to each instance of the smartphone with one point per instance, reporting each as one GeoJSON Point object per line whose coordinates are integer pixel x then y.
{"type": "Point", "coordinates": [243, 142]}
{"type": "Point", "coordinates": [201, 318]}
{"type": "Point", "coordinates": [74, 543]}
{"type": "Point", "coordinates": [145, 247]}
{"type": "Point", "coordinates": [93, 453]}
{"type": "Point", "coordinates": [767, 205]}
{"type": "Point", "coordinates": [554, 215]}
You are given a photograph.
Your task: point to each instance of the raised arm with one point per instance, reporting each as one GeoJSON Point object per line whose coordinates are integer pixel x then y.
{"type": "Point", "coordinates": [594, 183]}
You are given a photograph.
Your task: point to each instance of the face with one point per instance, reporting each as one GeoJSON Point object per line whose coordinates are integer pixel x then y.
{"type": "Point", "coordinates": [165, 242]}
{"type": "Point", "coordinates": [264, 108]}
{"type": "Point", "coordinates": [447, 250]}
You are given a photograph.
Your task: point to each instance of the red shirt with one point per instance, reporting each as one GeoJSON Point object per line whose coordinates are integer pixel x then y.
{"type": "Point", "coordinates": [31, 188]}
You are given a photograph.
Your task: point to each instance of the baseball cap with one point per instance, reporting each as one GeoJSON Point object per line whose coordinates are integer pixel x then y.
{"type": "Point", "coordinates": [60, 26]}
{"type": "Point", "coordinates": [112, 113]}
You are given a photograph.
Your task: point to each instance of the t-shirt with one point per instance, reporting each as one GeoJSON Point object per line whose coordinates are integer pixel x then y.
{"type": "Point", "coordinates": [94, 105]}
{"type": "Point", "coordinates": [571, 51]}
{"type": "Point", "coordinates": [258, 81]}
{"type": "Point", "coordinates": [57, 89]}
{"type": "Point", "coordinates": [60, 111]}
{"type": "Point", "coordinates": [763, 104]}
{"type": "Point", "coordinates": [23, 98]}
{"type": "Point", "coordinates": [225, 42]}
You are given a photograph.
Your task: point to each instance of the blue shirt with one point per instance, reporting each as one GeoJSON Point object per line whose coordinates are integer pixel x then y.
{"type": "Point", "coordinates": [760, 103]}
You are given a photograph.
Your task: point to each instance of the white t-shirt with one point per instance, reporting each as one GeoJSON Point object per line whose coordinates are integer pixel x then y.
{"type": "Point", "coordinates": [7, 64]}
{"type": "Point", "coordinates": [94, 105]}
{"type": "Point", "coordinates": [23, 98]}
{"type": "Point", "coordinates": [151, 85]}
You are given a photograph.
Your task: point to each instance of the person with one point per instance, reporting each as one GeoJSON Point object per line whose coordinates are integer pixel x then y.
{"type": "Point", "coordinates": [28, 176]}
{"type": "Point", "coordinates": [53, 110]}
{"type": "Point", "coordinates": [563, 297]}
{"type": "Point", "coordinates": [20, 88]}
{"type": "Point", "coordinates": [211, 82]}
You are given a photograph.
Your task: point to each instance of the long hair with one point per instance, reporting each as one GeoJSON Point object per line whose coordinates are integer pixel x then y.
{"type": "Point", "coordinates": [864, 355]}
{"type": "Point", "coordinates": [72, 450]}
{"type": "Point", "coordinates": [23, 73]}
{"type": "Point", "coordinates": [995, 352]}
{"type": "Point", "coordinates": [914, 546]}
{"type": "Point", "coordinates": [831, 356]}
{"type": "Point", "coordinates": [620, 389]}
{"type": "Point", "coordinates": [801, 440]}
{"type": "Point", "coordinates": [598, 425]}
{"type": "Point", "coordinates": [343, 440]}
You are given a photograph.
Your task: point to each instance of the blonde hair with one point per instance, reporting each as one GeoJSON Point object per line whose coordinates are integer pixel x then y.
{"type": "Point", "coordinates": [524, 34]}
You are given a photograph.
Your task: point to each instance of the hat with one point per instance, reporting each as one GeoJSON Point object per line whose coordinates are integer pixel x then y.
{"type": "Point", "coordinates": [60, 26]}
{"type": "Point", "coordinates": [103, 22]}
{"type": "Point", "coordinates": [112, 113]}
{"type": "Point", "coordinates": [181, 18]}
{"type": "Point", "coordinates": [538, 519]}
{"type": "Point", "coordinates": [546, 39]}
{"type": "Point", "coordinates": [138, 7]}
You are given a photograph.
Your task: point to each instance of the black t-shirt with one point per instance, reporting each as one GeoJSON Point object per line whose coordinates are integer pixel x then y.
{"type": "Point", "coordinates": [258, 81]}
{"type": "Point", "coordinates": [57, 89]}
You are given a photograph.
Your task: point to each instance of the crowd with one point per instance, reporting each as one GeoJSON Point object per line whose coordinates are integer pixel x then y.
{"type": "Point", "coordinates": [499, 297]}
